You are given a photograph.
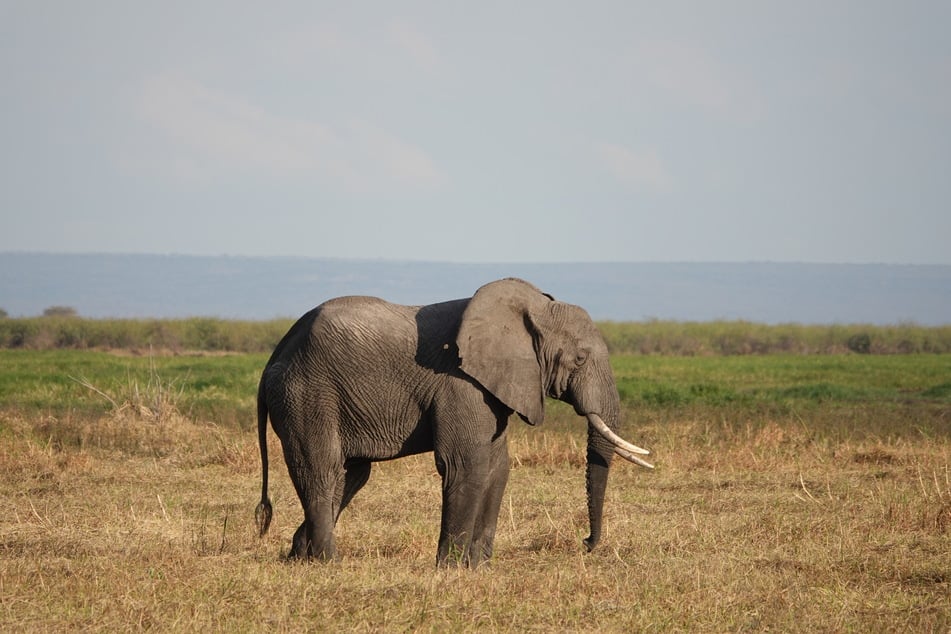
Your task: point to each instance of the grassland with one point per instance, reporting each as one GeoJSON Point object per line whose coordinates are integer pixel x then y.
{"type": "Point", "coordinates": [793, 493]}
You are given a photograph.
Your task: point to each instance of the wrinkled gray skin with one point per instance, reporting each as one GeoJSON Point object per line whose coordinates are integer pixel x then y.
{"type": "Point", "coordinates": [358, 380]}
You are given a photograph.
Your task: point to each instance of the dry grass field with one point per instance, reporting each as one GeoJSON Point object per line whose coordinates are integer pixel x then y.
{"type": "Point", "coordinates": [828, 513]}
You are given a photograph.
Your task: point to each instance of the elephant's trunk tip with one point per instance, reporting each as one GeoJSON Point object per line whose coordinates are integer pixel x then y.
{"type": "Point", "coordinates": [262, 515]}
{"type": "Point", "coordinates": [590, 542]}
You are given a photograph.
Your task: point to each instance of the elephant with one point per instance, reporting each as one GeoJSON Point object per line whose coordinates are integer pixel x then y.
{"type": "Point", "coordinates": [359, 380]}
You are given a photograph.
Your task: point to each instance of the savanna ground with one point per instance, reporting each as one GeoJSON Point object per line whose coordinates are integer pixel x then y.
{"type": "Point", "coordinates": [792, 493]}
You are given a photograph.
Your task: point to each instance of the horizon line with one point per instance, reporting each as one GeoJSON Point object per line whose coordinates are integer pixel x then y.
{"type": "Point", "coordinates": [365, 259]}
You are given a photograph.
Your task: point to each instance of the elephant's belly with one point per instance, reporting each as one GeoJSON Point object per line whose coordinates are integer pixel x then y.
{"type": "Point", "coordinates": [386, 440]}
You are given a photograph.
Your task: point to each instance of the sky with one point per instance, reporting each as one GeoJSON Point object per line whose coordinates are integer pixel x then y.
{"type": "Point", "coordinates": [530, 131]}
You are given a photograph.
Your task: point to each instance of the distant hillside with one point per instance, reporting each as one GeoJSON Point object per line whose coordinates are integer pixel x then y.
{"type": "Point", "coordinates": [262, 288]}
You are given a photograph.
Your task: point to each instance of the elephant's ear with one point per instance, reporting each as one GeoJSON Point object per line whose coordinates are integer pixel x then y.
{"type": "Point", "coordinates": [497, 345]}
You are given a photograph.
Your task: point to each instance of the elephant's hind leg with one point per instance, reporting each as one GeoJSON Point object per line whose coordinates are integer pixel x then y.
{"type": "Point", "coordinates": [314, 537]}
{"type": "Point", "coordinates": [299, 542]}
{"type": "Point", "coordinates": [316, 477]}
{"type": "Point", "coordinates": [320, 516]}
{"type": "Point", "coordinates": [356, 475]}
{"type": "Point", "coordinates": [317, 541]}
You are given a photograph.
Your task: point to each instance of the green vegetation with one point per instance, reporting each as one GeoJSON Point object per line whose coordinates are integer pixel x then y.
{"type": "Point", "coordinates": [70, 383]}
{"type": "Point", "coordinates": [778, 379]}
{"type": "Point", "coordinates": [222, 387]}
{"type": "Point", "coordinates": [161, 335]}
{"type": "Point", "coordinates": [744, 338]}
{"type": "Point", "coordinates": [666, 338]}
{"type": "Point", "coordinates": [793, 492]}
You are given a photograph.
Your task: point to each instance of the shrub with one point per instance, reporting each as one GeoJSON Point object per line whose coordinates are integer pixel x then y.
{"type": "Point", "coordinates": [743, 338]}
{"type": "Point", "coordinates": [664, 338]}
{"type": "Point", "coordinates": [60, 311]}
{"type": "Point", "coordinates": [860, 343]}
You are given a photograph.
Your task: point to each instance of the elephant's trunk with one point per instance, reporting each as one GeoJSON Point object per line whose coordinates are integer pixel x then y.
{"type": "Point", "coordinates": [603, 443]}
{"type": "Point", "coordinates": [594, 395]}
{"type": "Point", "coordinates": [600, 453]}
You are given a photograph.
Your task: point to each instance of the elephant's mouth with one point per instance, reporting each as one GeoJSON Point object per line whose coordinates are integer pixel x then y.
{"type": "Point", "coordinates": [622, 448]}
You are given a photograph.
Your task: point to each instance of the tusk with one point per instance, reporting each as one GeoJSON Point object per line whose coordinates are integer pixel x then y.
{"type": "Point", "coordinates": [629, 456]}
{"type": "Point", "coordinates": [619, 442]}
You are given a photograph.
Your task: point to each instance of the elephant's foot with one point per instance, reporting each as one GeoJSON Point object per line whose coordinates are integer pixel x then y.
{"type": "Point", "coordinates": [455, 555]}
{"type": "Point", "coordinates": [303, 548]}
{"type": "Point", "coordinates": [323, 555]}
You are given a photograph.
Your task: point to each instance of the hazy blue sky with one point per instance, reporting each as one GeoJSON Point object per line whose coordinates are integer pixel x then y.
{"type": "Point", "coordinates": [479, 131]}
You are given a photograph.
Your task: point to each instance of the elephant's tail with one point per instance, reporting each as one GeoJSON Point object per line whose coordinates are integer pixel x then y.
{"type": "Point", "coordinates": [264, 511]}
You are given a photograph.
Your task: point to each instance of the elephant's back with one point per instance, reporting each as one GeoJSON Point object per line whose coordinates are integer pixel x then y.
{"type": "Point", "coordinates": [358, 322]}
{"type": "Point", "coordinates": [358, 339]}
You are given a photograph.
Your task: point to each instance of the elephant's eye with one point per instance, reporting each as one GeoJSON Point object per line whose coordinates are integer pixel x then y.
{"type": "Point", "coordinates": [581, 358]}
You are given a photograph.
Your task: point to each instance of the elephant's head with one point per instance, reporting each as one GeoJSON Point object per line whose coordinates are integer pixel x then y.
{"type": "Point", "coordinates": [522, 345]}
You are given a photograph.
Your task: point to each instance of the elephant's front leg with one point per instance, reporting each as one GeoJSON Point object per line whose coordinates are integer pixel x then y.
{"type": "Point", "coordinates": [488, 516]}
{"type": "Point", "coordinates": [464, 484]}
